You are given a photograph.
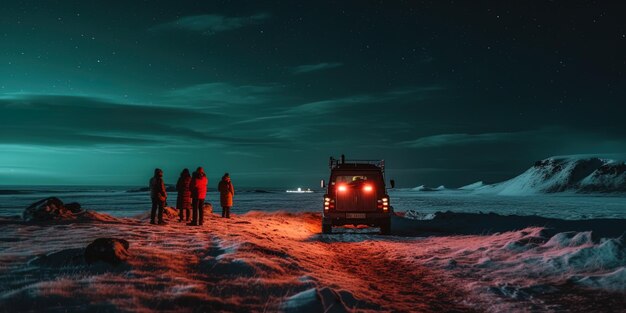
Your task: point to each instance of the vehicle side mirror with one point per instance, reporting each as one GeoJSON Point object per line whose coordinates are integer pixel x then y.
{"type": "Point", "coordinates": [392, 183]}
{"type": "Point", "coordinates": [323, 184]}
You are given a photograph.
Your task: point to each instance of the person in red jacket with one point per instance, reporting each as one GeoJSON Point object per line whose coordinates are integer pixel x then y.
{"type": "Point", "coordinates": [183, 201]}
{"type": "Point", "coordinates": [198, 187]}
{"type": "Point", "coordinates": [158, 196]}
{"type": "Point", "coordinates": [227, 191]}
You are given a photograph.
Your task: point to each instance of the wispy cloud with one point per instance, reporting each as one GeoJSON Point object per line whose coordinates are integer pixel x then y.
{"type": "Point", "coordinates": [219, 94]}
{"type": "Point", "coordinates": [454, 139]}
{"type": "Point", "coordinates": [263, 119]}
{"type": "Point", "coordinates": [210, 24]}
{"type": "Point", "coordinates": [277, 118]}
{"type": "Point", "coordinates": [308, 68]}
{"type": "Point", "coordinates": [70, 121]}
{"type": "Point", "coordinates": [330, 105]}
{"type": "Point", "coordinates": [460, 139]}
{"type": "Point", "coordinates": [326, 106]}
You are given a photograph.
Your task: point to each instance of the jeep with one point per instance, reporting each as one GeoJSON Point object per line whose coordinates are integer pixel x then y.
{"type": "Point", "coordinates": [356, 195]}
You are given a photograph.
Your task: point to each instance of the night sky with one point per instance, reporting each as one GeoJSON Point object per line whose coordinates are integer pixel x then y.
{"type": "Point", "coordinates": [446, 92]}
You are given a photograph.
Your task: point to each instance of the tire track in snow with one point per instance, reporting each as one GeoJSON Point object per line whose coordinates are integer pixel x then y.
{"type": "Point", "coordinates": [365, 268]}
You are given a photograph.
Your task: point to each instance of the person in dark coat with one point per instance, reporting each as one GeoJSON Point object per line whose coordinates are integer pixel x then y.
{"type": "Point", "coordinates": [198, 188]}
{"type": "Point", "coordinates": [183, 201]}
{"type": "Point", "coordinates": [227, 191]}
{"type": "Point", "coordinates": [158, 196]}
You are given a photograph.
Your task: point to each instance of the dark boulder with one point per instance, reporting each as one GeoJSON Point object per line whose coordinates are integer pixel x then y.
{"type": "Point", "coordinates": [109, 250]}
{"type": "Point", "coordinates": [172, 213]}
{"type": "Point", "coordinates": [75, 207]}
{"type": "Point", "coordinates": [208, 209]}
{"type": "Point", "coordinates": [50, 209]}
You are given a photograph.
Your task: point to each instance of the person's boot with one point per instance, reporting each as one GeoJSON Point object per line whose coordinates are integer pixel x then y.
{"type": "Point", "coordinates": [162, 222]}
{"type": "Point", "coordinates": [152, 222]}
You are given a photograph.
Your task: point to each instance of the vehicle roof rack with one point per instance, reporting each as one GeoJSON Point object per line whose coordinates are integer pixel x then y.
{"type": "Point", "coordinates": [342, 162]}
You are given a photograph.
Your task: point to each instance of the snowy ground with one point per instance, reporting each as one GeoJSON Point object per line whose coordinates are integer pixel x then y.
{"type": "Point", "coordinates": [272, 261]}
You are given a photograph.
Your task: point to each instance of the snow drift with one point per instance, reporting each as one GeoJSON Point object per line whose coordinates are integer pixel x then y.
{"type": "Point", "coordinates": [559, 174]}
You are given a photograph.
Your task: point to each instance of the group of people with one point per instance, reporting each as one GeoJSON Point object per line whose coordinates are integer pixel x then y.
{"type": "Point", "coordinates": [191, 190]}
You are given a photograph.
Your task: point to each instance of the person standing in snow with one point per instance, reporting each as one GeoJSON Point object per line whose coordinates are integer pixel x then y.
{"type": "Point", "coordinates": [158, 196]}
{"type": "Point", "coordinates": [183, 201]}
{"type": "Point", "coordinates": [198, 188]}
{"type": "Point", "coordinates": [227, 191]}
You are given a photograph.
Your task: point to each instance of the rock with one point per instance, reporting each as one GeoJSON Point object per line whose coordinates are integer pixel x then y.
{"type": "Point", "coordinates": [52, 210]}
{"type": "Point", "coordinates": [110, 250]}
{"type": "Point", "coordinates": [74, 207]}
{"type": "Point", "coordinates": [47, 209]}
{"type": "Point", "coordinates": [170, 213]}
{"type": "Point", "coordinates": [173, 213]}
{"type": "Point", "coordinates": [208, 209]}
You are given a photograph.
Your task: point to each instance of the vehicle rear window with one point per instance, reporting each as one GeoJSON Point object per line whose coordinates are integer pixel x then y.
{"type": "Point", "coordinates": [348, 179]}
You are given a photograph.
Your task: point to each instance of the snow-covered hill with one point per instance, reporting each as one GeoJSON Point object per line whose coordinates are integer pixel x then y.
{"type": "Point", "coordinates": [473, 186]}
{"type": "Point", "coordinates": [557, 174]}
{"type": "Point", "coordinates": [425, 188]}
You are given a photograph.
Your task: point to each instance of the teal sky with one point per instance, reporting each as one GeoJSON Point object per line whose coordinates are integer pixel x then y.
{"type": "Point", "coordinates": [447, 93]}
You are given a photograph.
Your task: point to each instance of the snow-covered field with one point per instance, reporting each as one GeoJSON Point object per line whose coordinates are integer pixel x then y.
{"type": "Point", "coordinates": [540, 242]}
{"type": "Point", "coordinates": [273, 261]}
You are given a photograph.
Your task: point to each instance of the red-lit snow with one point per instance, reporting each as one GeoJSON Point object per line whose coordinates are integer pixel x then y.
{"type": "Point", "coordinates": [280, 262]}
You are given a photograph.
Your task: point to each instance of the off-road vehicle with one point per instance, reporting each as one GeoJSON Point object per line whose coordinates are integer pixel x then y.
{"type": "Point", "coordinates": [356, 194]}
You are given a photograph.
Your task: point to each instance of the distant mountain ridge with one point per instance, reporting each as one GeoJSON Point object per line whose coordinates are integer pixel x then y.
{"type": "Point", "coordinates": [559, 174]}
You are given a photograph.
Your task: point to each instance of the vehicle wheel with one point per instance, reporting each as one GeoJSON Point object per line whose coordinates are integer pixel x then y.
{"type": "Point", "coordinates": [385, 227]}
{"type": "Point", "coordinates": [327, 229]}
